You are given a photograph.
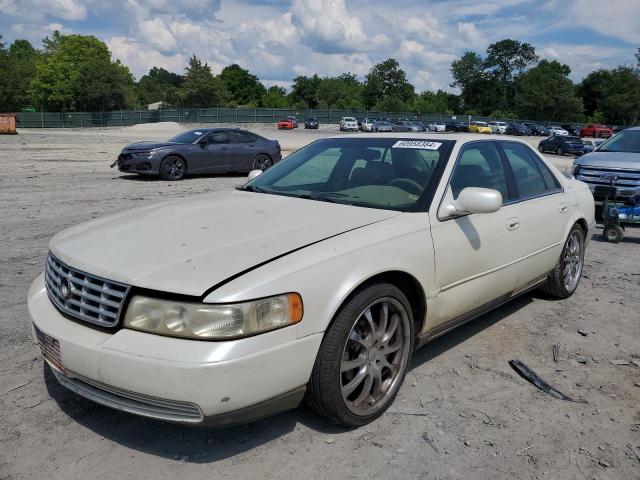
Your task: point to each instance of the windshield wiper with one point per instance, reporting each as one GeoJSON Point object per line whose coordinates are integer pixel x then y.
{"type": "Point", "coordinates": [251, 188]}
{"type": "Point", "coordinates": [322, 198]}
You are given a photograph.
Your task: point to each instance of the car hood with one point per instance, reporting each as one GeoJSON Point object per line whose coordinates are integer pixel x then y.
{"type": "Point", "coordinates": [190, 245]}
{"type": "Point", "coordinates": [623, 160]}
{"type": "Point", "coordinates": [146, 146]}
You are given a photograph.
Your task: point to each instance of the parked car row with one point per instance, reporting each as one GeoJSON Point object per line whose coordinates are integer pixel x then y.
{"type": "Point", "coordinates": [366, 124]}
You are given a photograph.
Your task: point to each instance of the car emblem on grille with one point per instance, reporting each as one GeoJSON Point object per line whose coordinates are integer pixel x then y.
{"type": "Point", "coordinates": [607, 176]}
{"type": "Point", "coordinates": [65, 289]}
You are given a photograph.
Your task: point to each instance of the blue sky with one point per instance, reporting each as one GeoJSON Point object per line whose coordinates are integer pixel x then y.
{"type": "Point", "coordinates": [280, 39]}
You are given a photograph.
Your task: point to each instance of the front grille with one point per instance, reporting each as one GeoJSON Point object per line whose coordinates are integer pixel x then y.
{"type": "Point", "coordinates": [137, 403]}
{"type": "Point", "coordinates": [84, 296]}
{"type": "Point", "coordinates": [627, 181]}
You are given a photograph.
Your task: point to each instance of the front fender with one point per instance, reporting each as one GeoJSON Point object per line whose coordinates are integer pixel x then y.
{"type": "Point", "coordinates": [326, 273]}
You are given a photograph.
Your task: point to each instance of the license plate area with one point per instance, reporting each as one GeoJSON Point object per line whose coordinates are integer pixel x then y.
{"type": "Point", "coordinates": [50, 349]}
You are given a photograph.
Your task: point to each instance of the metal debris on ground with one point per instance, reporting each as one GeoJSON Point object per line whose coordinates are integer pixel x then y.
{"type": "Point", "coordinates": [556, 353]}
{"type": "Point", "coordinates": [635, 450]}
{"type": "Point", "coordinates": [528, 374]}
{"type": "Point", "coordinates": [426, 438]}
{"type": "Point", "coordinates": [620, 362]}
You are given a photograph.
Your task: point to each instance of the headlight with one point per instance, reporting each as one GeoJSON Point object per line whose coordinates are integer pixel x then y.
{"type": "Point", "coordinates": [576, 169]}
{"type": "Point", "coordinates": [212, 321]}
{"type": "Point", "coordinates": [144, 154]}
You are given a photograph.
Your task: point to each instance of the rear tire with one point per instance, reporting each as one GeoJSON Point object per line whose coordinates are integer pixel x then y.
{"type": "Point", "coordinates": [173, 168]}
{"type": "Point", "coordinates": [563, 280]}
{"type": "Point", "coordinates": [364, 357]}
{"type": "Point", "coordinates": [560, 151]}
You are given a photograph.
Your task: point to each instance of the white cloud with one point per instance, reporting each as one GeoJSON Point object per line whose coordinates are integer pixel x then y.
{"type": "Point", "coordinates": [612, 18]}
{"type": "Point", "coordinates": [471, 34]}
{"type": "Point", "coordinates": [140, 58]}
{"type": "Point", "coordinates": [280, 40]}
{"type": "Point", "coordinates": [157, 33]}
{"type": "Point", "coordinates": [327, 26]}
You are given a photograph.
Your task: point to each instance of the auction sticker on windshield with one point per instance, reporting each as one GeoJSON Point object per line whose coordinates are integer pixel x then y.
{"type": "Point", "coordinates": [421, 144]}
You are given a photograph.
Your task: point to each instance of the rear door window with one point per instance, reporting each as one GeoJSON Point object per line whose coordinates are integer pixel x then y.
{"type": "Point", "coordinates": [528, 171]}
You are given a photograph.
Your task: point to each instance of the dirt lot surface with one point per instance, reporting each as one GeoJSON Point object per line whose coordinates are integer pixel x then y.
{"type": "Point", "coordinates": [462, 412]}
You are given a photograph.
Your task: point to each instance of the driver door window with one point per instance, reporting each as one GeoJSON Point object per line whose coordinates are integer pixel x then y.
{"type": "Point", "coordinates": [479, 165]}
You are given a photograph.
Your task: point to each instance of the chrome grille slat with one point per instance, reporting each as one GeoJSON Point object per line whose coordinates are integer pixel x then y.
{"type": "Point", "coordinates": [91, 298]}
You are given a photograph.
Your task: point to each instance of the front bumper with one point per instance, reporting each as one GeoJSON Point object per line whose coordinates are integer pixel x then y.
{"type": "Point", "coordinates": [211, 383]}
{"type": "Point", "coordinates": [130, 164]}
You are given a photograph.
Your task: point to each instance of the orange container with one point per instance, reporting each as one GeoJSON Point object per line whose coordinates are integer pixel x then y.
{"type": "Point", "coordinates": [7, 124]}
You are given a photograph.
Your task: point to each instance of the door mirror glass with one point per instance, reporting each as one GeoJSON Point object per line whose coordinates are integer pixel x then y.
{"type": "Point", "coordinates": [477, 200]}
{"type": "Point", "coordinates": [253, 174]}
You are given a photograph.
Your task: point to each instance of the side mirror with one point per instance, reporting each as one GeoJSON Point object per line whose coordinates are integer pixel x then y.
{"type": "Point", "coordinates": [477, 200]}
{"type": "Point", "coordinates": [253, 174]}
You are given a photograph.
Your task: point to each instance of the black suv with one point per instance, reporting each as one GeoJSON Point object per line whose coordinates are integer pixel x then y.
{"type": "Point", "coordinates": [560, 145]}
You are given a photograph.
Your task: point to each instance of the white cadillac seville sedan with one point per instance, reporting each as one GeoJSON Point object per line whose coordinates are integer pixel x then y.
{"type": "Point", "coordinates": [318, 278]}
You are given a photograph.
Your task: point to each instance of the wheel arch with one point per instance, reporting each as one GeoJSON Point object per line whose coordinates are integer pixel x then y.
{"type": "Point", "coordinates": [405, 282]}
{"type": "Point", "coordinates": [179, 155]}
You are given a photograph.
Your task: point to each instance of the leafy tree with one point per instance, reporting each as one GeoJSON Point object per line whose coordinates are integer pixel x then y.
{"type": "Point", "coordinates": [342, 92]}
{"type": "Point", "coordinates": [476, 87]}
{"type": "Point", "coordinates": [200, 88]}
{"type": "Point", "coordinates": [22, 59]}
{"type": "Point", "coordinates": [387, 80]}
{"type": "Point", "coordinates": [159, 85]}
{"type": "Point", "coordinates": [305, 90]}
{"type": "Point", "coordinates": [430, 102]}
{"type": "Point", "coordinates": [545, 92]}
{"type": "Point", "coordinates": [103, 86]}
{"type": "Point", "coordinates": [242, 85]}
{"type": "Point", "coordinates": [613, 95]}
{"type": "Point", "coordinates": [276, 97]}
{"type": "Point", "coordinates": [76, 72]}
{"type": "Point", "coordinates": [506, 60]}
{"type": "Point", "coordinates": [5, 94]}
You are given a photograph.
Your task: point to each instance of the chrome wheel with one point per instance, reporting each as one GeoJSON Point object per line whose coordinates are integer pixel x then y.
{"type": "Point", "coordinates": [173, 168]}
{"type": "Point", "coordinates": [573, 261]}
{"type": "Point", "coordinates": [375, 356]}
{"type": "Point", "coordinates": [261, 162]}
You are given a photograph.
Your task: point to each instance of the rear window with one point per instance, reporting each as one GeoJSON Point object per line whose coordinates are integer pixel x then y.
{"type": "Point", "coordinates": [573, 139]}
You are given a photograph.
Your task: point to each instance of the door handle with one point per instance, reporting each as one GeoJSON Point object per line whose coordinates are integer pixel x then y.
{"type": "Point", "coordinates": [224, 148]}
{"type": "Point", "coordinates": [563, 208]}
{"type": "Point", "coordinates": [513, 223]}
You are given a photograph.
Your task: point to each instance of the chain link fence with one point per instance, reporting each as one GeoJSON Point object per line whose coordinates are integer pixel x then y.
{"type": "Point", "coordinates": [125, 118]}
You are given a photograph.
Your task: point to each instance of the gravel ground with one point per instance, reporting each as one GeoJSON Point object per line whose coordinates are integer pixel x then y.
{"type": "Point", "coordinates": [462, 412]}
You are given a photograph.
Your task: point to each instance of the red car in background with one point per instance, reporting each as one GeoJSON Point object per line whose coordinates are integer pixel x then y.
{"type": "Point", "coordinates": [597, 131]}
{"type": "Point", "coordinates": [286, 124]}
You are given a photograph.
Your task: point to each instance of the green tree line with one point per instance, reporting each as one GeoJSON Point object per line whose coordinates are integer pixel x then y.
{"type": "Point", "coordinates": [77, 73]}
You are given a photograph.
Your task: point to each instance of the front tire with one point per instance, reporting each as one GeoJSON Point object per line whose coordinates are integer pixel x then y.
{"type": "Point", "coordinates": [560, 151]}
{"type": "Point", "coordinates": [540, 149]}
{"type": "Point", "coordinates": [262, 162]}
{"type": "Point", "coordinates": [563, 280]}
{"type": "Point", "coordinates": [173, 168]}
{"type": "Point", "coordinates": [364, 357]}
